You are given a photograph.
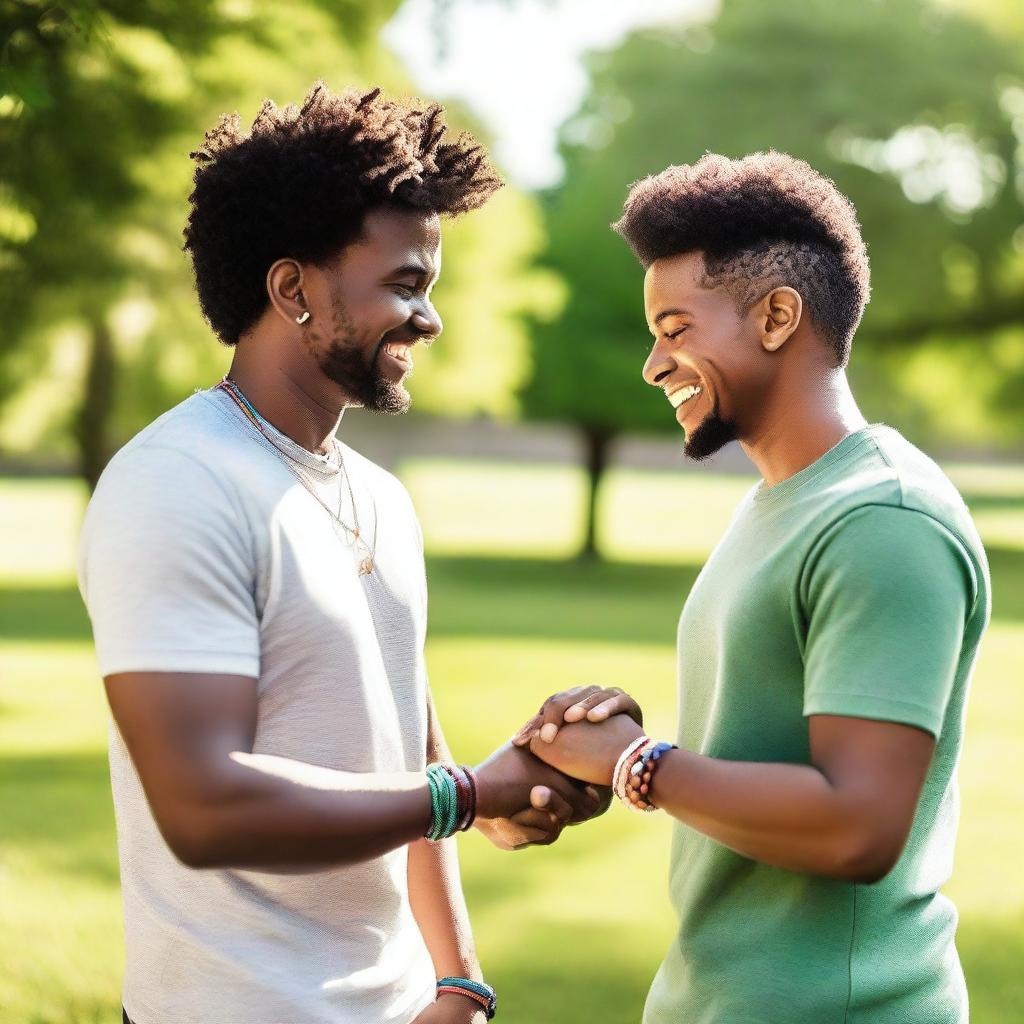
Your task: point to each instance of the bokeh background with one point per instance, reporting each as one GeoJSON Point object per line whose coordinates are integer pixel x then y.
{"type": "Point", "coordinates": [563, 528]}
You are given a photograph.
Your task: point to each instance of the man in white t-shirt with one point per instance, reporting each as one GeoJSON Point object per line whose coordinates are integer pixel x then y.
{"type": "Point", "coordinates": [258, 599]}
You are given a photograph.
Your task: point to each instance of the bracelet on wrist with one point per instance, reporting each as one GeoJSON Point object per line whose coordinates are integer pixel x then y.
{"type": "Point", "coordinates": [641, 776]}
{"type": "Point", "coordinates": [479, 991]}
{"type": "Point", "coordinates": [452, 800]}
{"type": "Point", "coordinates": [624, 763]}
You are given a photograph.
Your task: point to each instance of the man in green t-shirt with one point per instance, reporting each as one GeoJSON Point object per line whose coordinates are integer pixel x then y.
{"type": "Point", "coordinates": [826, 648]}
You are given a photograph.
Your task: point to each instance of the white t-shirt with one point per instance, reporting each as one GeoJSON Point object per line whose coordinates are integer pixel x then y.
{"type": "Point", "coordinates": [202, 552]}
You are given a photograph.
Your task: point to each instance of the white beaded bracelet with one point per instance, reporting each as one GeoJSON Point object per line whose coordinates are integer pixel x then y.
{"type": "Point", "coordinates": [619, 775]}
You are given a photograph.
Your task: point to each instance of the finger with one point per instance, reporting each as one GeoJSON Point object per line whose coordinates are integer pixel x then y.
{"type": "Point", "coordinates": [579, 710]}
{"type": "Point", "coordinates": [526, 733]}
{"type": "Point", "coordinates": [535, 828]}
{"type": "Point", "coordinates": [586, 805]}
{"type": "Point", "coordinates": [543, 797]}
{"type": "Point", "coordinates": [553, 713]}
{"type": "Point", "coordinates": [618, 704]}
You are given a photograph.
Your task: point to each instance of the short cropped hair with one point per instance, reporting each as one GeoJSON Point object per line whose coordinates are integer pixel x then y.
{"type": "Point", "coordinates": [300, 182]}
{"type": "Point", "coordinates": [762, 222]}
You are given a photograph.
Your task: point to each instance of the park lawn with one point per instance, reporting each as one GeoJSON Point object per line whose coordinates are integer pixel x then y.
{"type": "Point", "coordinates": [570, 933]}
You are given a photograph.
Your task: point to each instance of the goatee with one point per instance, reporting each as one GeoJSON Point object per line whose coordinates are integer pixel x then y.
{"type": "Point", "coordinates": [712, 434]}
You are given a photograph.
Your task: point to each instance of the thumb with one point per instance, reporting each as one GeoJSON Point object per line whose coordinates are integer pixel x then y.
{"type": "Point", "coordinates": [540, 797]}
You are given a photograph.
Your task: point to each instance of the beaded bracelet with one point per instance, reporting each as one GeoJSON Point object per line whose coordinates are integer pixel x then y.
{"type": "Point", "coordinates": [638, 785]}
{"type": "Point", "coordinates": [623, 765]}
{"type": "Point", "coordinates": [452, 800]}
{"type": "Point", "coordinates": [478, 991]}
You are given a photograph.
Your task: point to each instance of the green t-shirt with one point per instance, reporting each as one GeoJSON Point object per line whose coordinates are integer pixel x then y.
{"type": "Point", "coordinates": [857, 587]}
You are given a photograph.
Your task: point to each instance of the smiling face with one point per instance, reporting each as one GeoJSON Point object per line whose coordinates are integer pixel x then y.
{"type": "Point", "coordinates": [706, 357]}
{"type": "Point", "coordinates": [371, 305]}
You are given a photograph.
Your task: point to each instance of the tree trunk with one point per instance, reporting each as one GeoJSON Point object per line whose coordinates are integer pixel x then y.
{"type": "Point", "coordinates": [92, 423]}
{"type": "Point", "coordinates": [598, 442]}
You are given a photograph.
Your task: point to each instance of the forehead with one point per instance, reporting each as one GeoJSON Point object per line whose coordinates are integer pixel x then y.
{"type": "Point", "coordinates": [675, 280]}
{"type": "Point", "coordinates": [391, 234]}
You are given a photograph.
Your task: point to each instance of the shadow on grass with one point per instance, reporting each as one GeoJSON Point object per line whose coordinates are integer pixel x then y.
{"type": "Point", "coordinates": [518, 597]}
{"type": "Point", "coordinates": [57, 812]}
{"type": "Point", "coordinates": [51, 612]}
{"type": "Point", "coordinates": [563, 600]}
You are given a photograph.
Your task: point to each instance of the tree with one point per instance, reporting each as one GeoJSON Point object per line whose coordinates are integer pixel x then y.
{"type": "Point", "coordinates": [915, 111]}
{"type": "Point", "coordinates": [100, 101]}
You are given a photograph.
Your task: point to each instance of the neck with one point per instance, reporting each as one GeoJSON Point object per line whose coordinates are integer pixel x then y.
{"type": "Point", "coordinates": [287, 397]}
{"type": "Point", "coordinates": [800, 423]}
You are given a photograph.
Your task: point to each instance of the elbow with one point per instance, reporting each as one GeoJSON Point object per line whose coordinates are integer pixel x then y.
{"type": "Point", "coordinates": [867, 857]}
{"type": "Point", "coordinates": [193, 842]}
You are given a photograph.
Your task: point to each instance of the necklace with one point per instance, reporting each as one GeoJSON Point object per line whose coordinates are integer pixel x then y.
{"type": "Point", "coordinates": [366, 554]}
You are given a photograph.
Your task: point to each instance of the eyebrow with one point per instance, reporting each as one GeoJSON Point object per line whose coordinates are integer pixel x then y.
{"type": "Point", "coordinates": [670, 312]}
{"type": "Point", "coordinates": [412, 269]}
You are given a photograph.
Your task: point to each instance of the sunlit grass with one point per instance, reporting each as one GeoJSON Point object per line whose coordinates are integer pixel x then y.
{"type": "Point", "coordinates": [567, 933]}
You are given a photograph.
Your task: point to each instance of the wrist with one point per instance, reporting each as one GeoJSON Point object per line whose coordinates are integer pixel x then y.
{"type": "Point", "coordinates": [477, 992]}
{"type": "Point", "coordinates": [469, 1009]}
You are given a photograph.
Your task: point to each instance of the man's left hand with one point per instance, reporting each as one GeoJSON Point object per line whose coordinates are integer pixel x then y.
{"type": "Point", "coordinates": [452, 1009]}
{"type": "Point", "coordinates": [586, 750]}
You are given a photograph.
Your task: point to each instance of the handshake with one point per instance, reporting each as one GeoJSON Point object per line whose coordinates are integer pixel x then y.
{"type": "Point", "coordinates": [557, 769]}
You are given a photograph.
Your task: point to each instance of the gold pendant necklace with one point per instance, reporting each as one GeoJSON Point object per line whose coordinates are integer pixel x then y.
{"type": "Point", "coordinates": [367, 562]}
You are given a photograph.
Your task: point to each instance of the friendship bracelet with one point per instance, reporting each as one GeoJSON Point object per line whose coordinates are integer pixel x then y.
{"type": "Point", "coordinates": [471, 777]}
{"type": "Point", "coordinates": [618, 775]}
{"type": "Point", "coordinates": [452, 800]}
{"type": "Point", "coordinates": [478, 991]}
{"type": "Point", "coordinates": [642, 775]}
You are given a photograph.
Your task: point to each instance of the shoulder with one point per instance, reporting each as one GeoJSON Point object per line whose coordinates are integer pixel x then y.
{"type": "Point", "coordinates": [169, 480]}
{"type": "Point", "coordinates": [889, 549]}
{"type": "Point", "coordinates": [893, 491]}
{"type": "Point", "coordinates": [184, 446]}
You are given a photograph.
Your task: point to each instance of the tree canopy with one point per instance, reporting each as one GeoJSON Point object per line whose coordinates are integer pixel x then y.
{"type": "Point", "coordinates": [916, 111]}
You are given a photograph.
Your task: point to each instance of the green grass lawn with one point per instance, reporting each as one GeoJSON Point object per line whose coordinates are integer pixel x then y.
{"type": "Point", "coordinates": [566, 933]}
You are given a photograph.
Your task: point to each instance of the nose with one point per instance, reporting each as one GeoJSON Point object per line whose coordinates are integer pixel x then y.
{"type": "Point", "coordinates": [426, 319]}
{"type": "Point", "coordinates": [658, 366]}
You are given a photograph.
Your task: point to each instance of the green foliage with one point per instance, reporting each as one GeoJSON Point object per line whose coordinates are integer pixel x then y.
{"type": "Point", "coordinates": [100, 103]}
{"type": "Point", "coordinates": [915, 111]}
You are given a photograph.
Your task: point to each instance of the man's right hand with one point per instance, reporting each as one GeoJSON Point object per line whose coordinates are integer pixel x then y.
{"type": "Point", "coordinates": [523, 802]}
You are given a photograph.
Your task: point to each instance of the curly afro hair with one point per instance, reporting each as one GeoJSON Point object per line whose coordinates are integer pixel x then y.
{"type": "Point", "coordinates": [300, 182]}
{"type": "Point", "coordinates": [762, 222]}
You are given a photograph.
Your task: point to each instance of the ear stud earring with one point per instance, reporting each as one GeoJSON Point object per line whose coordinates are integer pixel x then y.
{"type": "Point", "coordinates": [302, 319]}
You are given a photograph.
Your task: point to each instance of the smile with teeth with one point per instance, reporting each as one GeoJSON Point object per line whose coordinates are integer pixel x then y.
{"type": "Point", "coordinates": [401, 352]}
{"type": "Point", "coordinates": [683, 395]}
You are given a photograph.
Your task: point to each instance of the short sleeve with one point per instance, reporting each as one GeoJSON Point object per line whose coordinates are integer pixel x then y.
{"type": "Point", "coordinates": [886, 594]}
{"type": "Point", "coordinates": [166, 569]}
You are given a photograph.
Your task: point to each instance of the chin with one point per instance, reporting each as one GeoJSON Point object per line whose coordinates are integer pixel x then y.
{"type": "Point", "coordinates": [390, 397]}
{"type": "Point", "coordinates": [710, 436]}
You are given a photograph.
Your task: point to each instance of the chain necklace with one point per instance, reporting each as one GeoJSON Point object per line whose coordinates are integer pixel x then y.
{"type": "Point", "coordinates": [367, 554]}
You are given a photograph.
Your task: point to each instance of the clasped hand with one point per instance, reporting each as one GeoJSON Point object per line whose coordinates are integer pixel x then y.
{"type": "Point", "coordinates": [582, 731]}
{"type": "Point", "coordinates": [556, 771]}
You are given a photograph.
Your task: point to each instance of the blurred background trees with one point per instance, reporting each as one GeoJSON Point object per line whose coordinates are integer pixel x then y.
{"type": "Point", "coordinates": [914, 107]}
{"type": "Point", "coordinates": [915, 111]}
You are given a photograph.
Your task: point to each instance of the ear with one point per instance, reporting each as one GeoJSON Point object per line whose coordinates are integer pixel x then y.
{"type": "Point", "coordinates": [778, 315]}
{"type": "Point", "coordinates": [284, 287]}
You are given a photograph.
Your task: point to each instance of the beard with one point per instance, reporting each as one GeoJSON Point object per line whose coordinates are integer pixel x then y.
{"type": "Point", "coordinates": [344, 361]}
{"type": "Point", "coordinates": [712, 434]}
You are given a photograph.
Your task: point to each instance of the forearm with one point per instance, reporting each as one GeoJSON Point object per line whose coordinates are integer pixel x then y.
{"type": "Point", "coordinates": [275, 814]}
{"type": "Point", "coordinates": [435, 891]}
{"type": "Point", "coordinates": [786, 815]}
{"type": "Point", "coordinates": [435, 886]}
